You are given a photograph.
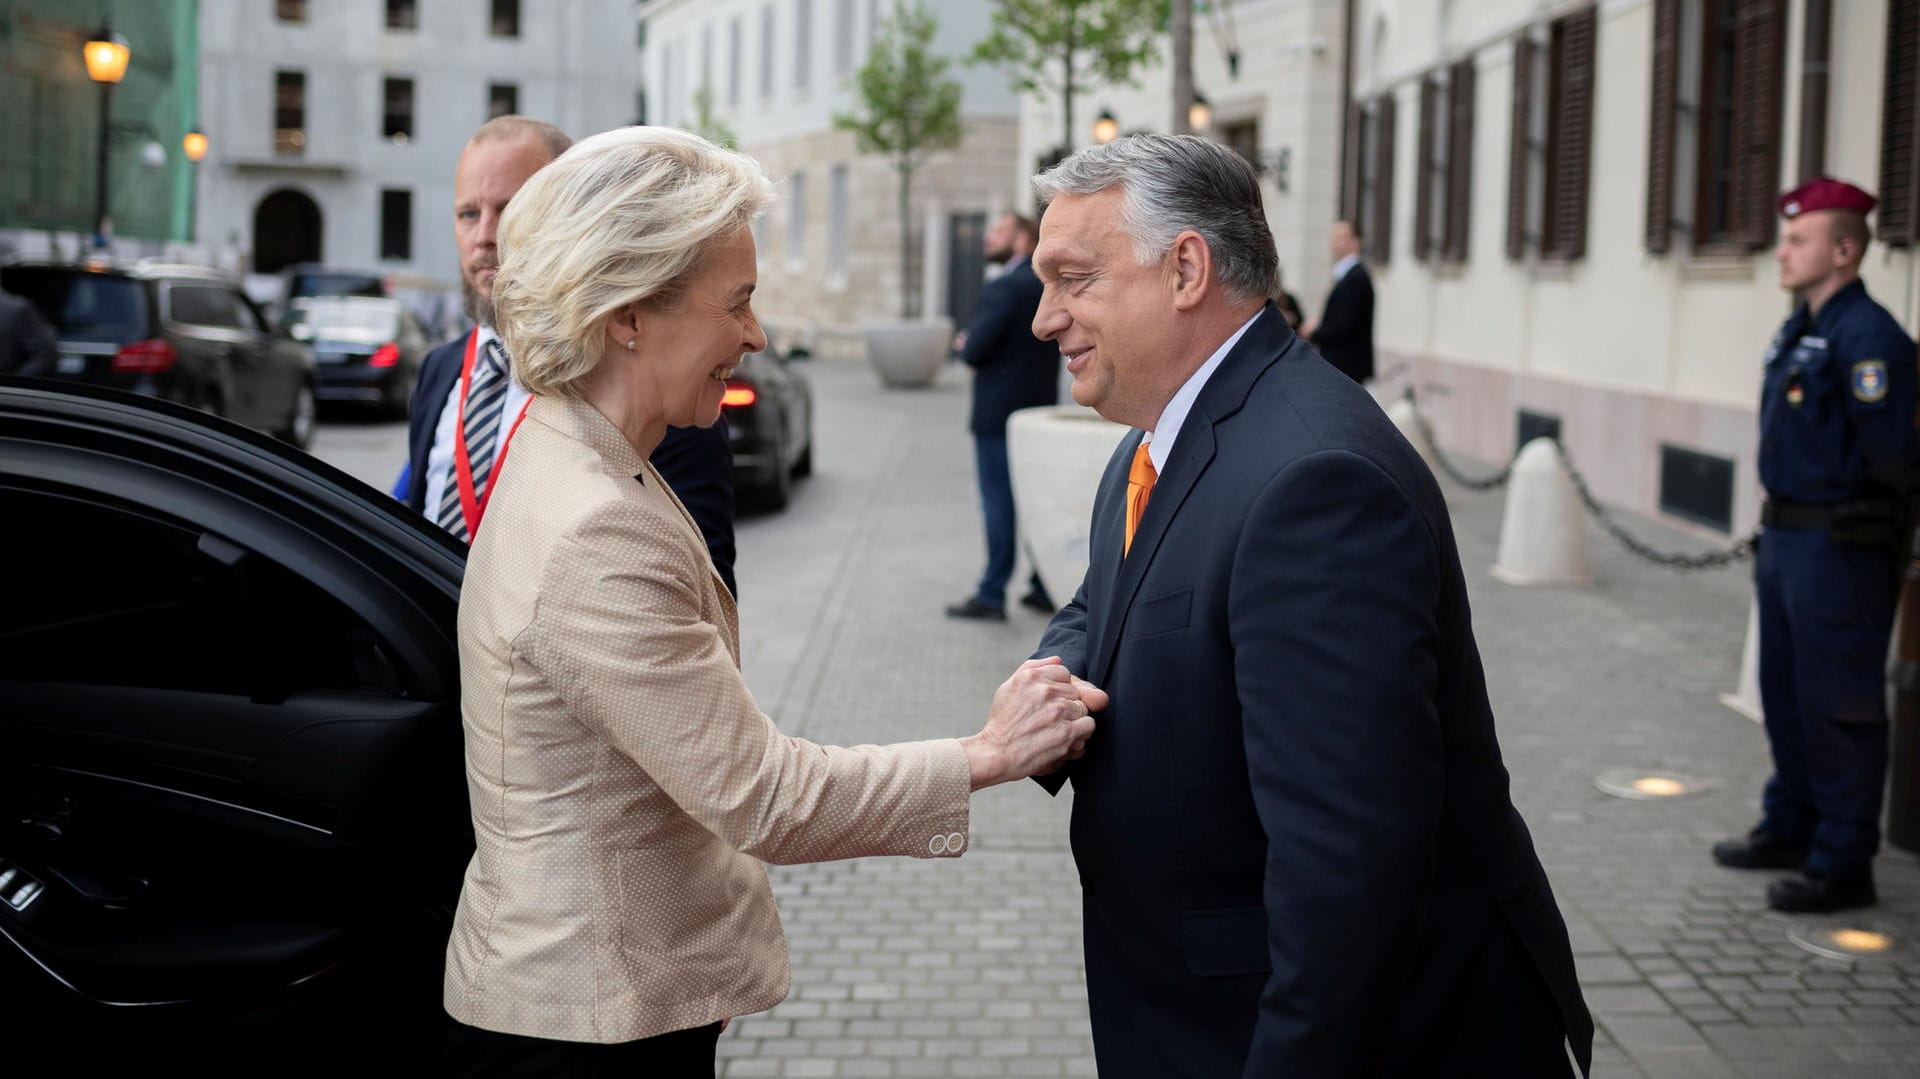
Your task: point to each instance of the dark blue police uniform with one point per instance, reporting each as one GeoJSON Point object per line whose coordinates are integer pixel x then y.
{"type": "Point", "coordinates": [1836, 435]}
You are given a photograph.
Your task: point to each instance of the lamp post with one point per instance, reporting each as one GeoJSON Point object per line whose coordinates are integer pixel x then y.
{"type": "Point", "coordinates": [1199, 114]}
{"type": "Point", "coordinates": [195, 146]}
{"type": "Point", "coordinates": [1106, 128]}
{"type": "Point", "coordinates": [106, 54]}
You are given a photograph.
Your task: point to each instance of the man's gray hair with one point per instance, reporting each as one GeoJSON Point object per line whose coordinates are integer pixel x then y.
{"type": "Point", "coordinates": [1177, 183]}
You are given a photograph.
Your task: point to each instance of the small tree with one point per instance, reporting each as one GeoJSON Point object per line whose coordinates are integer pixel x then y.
{"type": "Point", "coordinates": [707, 125]}
{"type": "Point", "coordinates": [1064, 47]}
{"type": "Point", "coordinates": [906, 108]}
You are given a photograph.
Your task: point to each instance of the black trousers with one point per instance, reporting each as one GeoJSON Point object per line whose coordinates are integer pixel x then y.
{"type": "Point", "coordinates": [473, 1053]}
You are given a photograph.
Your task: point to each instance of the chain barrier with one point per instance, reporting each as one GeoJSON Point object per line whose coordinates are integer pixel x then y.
{"type": "Point", "coordinates": [1740, 551]}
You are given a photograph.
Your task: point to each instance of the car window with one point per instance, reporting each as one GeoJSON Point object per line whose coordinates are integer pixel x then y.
{"type": "Point", "coordinates": [119, 597]}
{"type": "Point", "coordinates": [81, 305]}
{"type": "Point", "coordinates": [206, 305]}
{"type": "Point", "coordinates": [346, 320]}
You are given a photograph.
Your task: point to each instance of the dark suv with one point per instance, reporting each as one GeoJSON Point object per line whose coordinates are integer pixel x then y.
{"type": "Point", "coordinates": [185, 333]}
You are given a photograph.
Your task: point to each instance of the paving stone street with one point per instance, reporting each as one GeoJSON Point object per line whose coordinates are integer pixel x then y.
{"type": "Point", "coordinates": [972, 967]}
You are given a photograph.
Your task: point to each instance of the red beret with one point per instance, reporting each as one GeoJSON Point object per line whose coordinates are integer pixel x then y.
{"type": "Point", "coordinates": [1825, 193]}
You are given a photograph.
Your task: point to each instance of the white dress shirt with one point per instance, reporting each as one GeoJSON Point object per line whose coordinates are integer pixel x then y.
{"type": "Point", "coordinates": [1167, 428]}
{"type": "Point", "coordinates": [440, 457]}
{"type": "Point", "coordinates": [1340, 268]}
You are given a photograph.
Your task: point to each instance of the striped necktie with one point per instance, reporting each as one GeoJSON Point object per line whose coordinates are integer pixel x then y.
{"type": "Point", "coordinates": [486, 398]}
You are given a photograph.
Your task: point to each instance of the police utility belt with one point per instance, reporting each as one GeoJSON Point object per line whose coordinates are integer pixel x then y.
{"type": "Point", "coordinates": [1869, 521]}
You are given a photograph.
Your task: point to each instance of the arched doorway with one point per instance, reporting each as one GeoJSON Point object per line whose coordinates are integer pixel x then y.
{"type": "Point", "coordinates": [286, 230]}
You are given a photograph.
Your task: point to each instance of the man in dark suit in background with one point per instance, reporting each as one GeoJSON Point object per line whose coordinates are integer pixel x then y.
{"type": "Point", "coordinates": [1344, 333]}
{"type": "Point", "coordinates": [27, 344]}
{"type": "Point", "coordinates": [446, 480]}
{"type": "Point", "coordinates": [1294, 836]}
{"type": "Point", "coordinates": [1012, 369]}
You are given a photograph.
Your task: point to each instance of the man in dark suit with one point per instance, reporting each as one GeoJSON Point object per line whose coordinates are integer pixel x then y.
{"type": "Point", "coordinates": [27, 344]}
{"type": "Point", "coordinates": [446, 480]}
{"type": "Point", "coordinates": [1294, 835]}
{"type": "Point", "coordinates": [1012, 369]}
{"type": "Point", "coordinates": [1344, 334]}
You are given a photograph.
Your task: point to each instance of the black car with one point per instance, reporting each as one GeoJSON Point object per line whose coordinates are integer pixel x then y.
{"type": "Point", "coordinates": [233, 815]}
{"type": "Point", "coordinates": [183, 333]}
{"type": "Point", "coordinates": [307, 279]}
{"type": "Point", "coordinates": [366, 350]}
{"type": "Point", "coordinates": [769, 414]}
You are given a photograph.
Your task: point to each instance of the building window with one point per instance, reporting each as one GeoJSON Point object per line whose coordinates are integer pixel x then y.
{"type": "Point", "coordinates": [1430, 169]}
{"type": "Point", "coordinates": [403, 15]}
{"type": "Point", "coordinates": [734, 59]}
{"type": "Point", "coordinates": [289, 112]}
{"type": "Point", "coordinates": [1899, 220]}
{"type": "Point", "coordinates": [803, 45]}
{"type": "Point", "coordinates": [397, 119]}
{"type": "Point", "coordinates": [1549, 178]}
{"type": "Point", "coordinates": [290, 10]}
{"type": "Point", "coordinates": [1244, 139]}
{"type": "Point", "coordinates": [843, 38]}
{"type": "Point", "coordinates": [503, 99]}
{"type": "Point", "coordinates": [506, 18]}
{"type": "Point", "coordinates": [1368, 199]}
{"type": "Point", "coordinates": [1816, 41]}
{"type": "Point", "coordinates": [1714, 159]}
{"type": "Point", "coordinates": [766, 51]}
{"type": "Point", "coordinates": [837, 226]}
{"type": "Point", "coordinates": [396, 225]}
{"type": "Point", "coordinates": [640, 107]}
{"type": "Point", "coordinates": [797, 221]}
{"type": "Point", "coordinates": [706, 62]}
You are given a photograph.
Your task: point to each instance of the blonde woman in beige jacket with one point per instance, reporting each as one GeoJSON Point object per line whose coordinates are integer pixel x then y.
{"type": "Point", "coordinates": [625, 788]}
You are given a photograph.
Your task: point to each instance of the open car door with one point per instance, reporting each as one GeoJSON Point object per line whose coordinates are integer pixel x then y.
{"type": "Point", "coordinates": [233, 813]}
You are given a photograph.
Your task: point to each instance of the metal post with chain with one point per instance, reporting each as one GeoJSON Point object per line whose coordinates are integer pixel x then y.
{"type": "Point", "coordinates": [1741, 550]}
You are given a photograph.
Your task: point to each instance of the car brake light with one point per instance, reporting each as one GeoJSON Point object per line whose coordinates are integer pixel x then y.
{"type": "Point", "coordinates": [150, 357]}
{"type": "Point", "coordinates": [739, 394]}
{"type": "Point", "coordinates": [386, 355]}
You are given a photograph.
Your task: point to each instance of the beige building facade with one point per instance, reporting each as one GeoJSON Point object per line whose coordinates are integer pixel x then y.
{"type": "Point", "coordinates": [1580, 233]}
{"type": "Point", "coordinates": [775, 72]}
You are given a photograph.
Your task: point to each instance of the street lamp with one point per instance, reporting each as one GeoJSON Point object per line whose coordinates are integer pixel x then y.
{"type": "Point", "coordinates": [1199, 114]}
{"type": "Point", "coordinates": [106, 54]}
{"type": "Point", "coordinates": [1106, 128]}
{"type": "Point", "coordinates": [195, 145]}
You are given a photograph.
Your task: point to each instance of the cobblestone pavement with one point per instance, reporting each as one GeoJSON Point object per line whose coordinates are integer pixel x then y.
{"type": "Point", "coordinates": [972, 966]}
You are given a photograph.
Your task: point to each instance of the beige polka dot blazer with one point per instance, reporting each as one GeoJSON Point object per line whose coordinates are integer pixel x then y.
{"type": "Point", "coordinates": [625, 788]}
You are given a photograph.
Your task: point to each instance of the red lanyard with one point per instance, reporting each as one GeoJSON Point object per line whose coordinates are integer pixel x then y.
{"type": "Point", "coordinates": [473, 504]}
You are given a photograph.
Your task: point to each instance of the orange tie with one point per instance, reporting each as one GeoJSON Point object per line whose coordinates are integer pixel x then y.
{"type": "Point", "coordinates": [1139, 489]}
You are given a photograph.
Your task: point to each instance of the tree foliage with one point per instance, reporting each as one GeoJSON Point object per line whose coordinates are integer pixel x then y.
{"type": "Point", "coordinates": [1065, 47]}
{"type": "Point", "coordinates": [906, 106]}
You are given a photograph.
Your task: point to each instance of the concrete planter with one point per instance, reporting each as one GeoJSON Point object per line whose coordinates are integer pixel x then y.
{"type": "Point", "coordinates": [908, 354]}
{"type": "Point", "coordinates": [1056, 455]}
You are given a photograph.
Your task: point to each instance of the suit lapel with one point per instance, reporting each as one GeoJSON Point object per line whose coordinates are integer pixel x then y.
{"type": "Point", "coordinates": [1225, 392]}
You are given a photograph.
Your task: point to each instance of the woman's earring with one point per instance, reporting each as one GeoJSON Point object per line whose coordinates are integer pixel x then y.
{"type": "Point", "coordinates": [631, 341]}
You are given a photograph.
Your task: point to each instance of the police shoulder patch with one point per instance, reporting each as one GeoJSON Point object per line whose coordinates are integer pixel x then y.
{"type": "Point", "coordinates": [1870, 381]}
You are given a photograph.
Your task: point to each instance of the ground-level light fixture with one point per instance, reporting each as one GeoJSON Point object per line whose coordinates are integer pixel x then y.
{"type": "Point", "coordinates": [1847, 939]}
{"type": "Point", "coordinates": [1643, 785]}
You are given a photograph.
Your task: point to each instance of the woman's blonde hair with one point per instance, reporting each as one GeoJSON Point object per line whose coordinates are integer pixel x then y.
{"type": "Point", "coordinates": [621, 218]}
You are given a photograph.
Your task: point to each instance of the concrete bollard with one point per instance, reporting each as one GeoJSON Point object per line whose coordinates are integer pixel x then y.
{"type": "Point", "coordinates": [1405, 417]}
{"type": "Point", "coordinates": [1745, 698]}
{"type": "Point", "coordinates": [1543, 534]}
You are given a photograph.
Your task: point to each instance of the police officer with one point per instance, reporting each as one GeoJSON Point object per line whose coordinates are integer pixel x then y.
{"type": "Point", "coordinates": [1836, 432]}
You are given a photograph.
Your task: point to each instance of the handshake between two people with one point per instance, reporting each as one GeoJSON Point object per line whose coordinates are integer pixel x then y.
{"type": "Point", "coordinates": [1041, 718]}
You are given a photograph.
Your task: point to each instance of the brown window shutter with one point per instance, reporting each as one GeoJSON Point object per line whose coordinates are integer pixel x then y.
{"type": "Point", "coordinates": [1460, 100]}
{"type": "Point", "coordinates": [1423, 169]}
{"type": "Point", "coordinates": [1570, 146]}
{"type": "Point", "coordinates": [1353, 153]}
{"type": "Point", "coordinates": [1899, 220]}
{"type": "Point", "coordinates": [1519, 150]}
{"type": "Point", "coordinates": [1380, 239]}
{"type": "Point", "coordinates": [1759, 67]}
{"type": "Point", "coordinates": [1666, 85]}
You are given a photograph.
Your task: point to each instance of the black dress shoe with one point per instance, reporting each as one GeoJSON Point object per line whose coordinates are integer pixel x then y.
{"type": "Point", "coordinates": [1034, 601]}
{"type": "Point", "coordinates": [1820, 895]}
{"type": "Point", "coordinates": [1760, 851]}
{"type": "Point", "coordinates": [977, 611]}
